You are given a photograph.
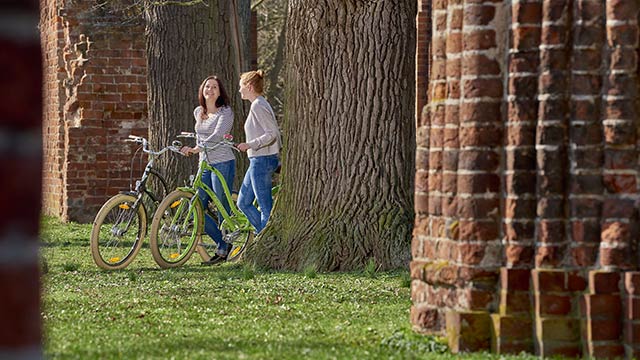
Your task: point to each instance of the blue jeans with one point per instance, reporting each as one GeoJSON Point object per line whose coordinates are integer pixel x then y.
{"type": "Point", "coordinates": [257, 184]}
{"type": "Point", "coordinates": [228, 170]}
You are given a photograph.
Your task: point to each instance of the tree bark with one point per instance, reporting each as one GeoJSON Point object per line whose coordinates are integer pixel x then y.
{"type": "Point", "coordinates": [186, 42]}
{"type": "Point", "coordinates": [349, 138]}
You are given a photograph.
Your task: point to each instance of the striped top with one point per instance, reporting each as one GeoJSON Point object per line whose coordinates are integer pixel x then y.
{"type": "Point", "coordinates": [211, 130]}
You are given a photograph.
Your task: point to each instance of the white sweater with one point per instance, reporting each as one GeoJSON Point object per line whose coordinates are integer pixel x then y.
{"type": "Point", "coordinates": [261, 129]}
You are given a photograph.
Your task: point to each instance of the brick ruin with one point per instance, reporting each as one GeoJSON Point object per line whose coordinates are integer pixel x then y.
{"type": "Point", "coordinates": [94, 96]}
{"type": "Point", "coordinates": [526, 193]}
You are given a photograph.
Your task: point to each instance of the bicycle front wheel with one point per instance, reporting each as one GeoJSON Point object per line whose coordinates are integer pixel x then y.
{"type": "Point", "coordinates": [118, 232]}
{"type": "Point", "coordinates": [176, 229]}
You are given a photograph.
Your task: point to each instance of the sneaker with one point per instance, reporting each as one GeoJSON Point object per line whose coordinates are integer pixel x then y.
{"type": "Point", "coordinates": [215, 260]}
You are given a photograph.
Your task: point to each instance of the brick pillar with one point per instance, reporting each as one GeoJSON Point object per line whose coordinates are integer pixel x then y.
{"type": "Point", "coordinates": [20, 185]}
{"type": "Point", "coordinates": [520, 133]}
{"type": "Point", "coordinates": [619, 101]}
{"type": "Point", "coordinates": [557, 321]}
{"type": "Point", "coordinates": [631, 314]}
{"type": "Point", "coordinates": [601, 311]}
{"type": "Point", "coordinates": [585, 134]}
{"type": "Point", "coordinates": [426, 314]}
{"type": "Point", "coordinates": [471, 180]}
{"type": "Point", "coordinates": [551, 133]}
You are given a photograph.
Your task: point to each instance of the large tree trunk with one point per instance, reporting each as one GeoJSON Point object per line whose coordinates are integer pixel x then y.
{"type": "Point", "coordinates": [186, 42]}
{"type": "Point", "coordinates": [349, 138]}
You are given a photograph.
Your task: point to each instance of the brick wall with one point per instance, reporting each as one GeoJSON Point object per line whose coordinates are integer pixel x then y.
{"type": "Point", "coordinates": [527, 176]}
{"type": "Point", "coordinates": [94, 95]}
{"type": "Point", "coordinates": [20, 161]}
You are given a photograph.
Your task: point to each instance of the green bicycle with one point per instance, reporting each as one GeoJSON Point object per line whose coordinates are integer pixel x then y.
{"type": "Point", "coordinates": [178, 224]}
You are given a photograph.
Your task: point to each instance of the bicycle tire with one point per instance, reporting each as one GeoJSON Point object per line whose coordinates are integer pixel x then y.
{"type": "Point", "coordinates": [171, 221]}
{"type": "Point", "coordinates": [109, 247]}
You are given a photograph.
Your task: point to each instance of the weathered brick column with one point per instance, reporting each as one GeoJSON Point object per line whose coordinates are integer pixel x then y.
{"type": "Point", "coordinates": [585, 150]}
{"type": "Point", "coordinates": [551, 133]}
{"type": "Point", "coordinates": [619, 100]}
{"type": "Point", "coordinates": [425, 313]}
{"type": "Point", "coordinates": [20, 184]}
{"type": "Point", "coordinates": [560, 79]}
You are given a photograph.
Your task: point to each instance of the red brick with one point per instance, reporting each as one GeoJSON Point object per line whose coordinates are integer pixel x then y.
{"type": "Point", "coordinates": [527, 13]}
{"type": "Point", "coordinates": [604, 329]}
{"type": "Point", "coordinates": [519, 255]}
{"type": "Point", "coordinates": [479, 40]}
{"type": "Point", "coordinates": [514, 303]}
{"type": "Point", "coordinates": [552, 304]}
{"type": "Point", "coordinates": [515, 279]}
{"type": "Point", "coordinates": [604, 282]}
{"type": "Point", "coordinates": [511, 328]}
{"type": "Point", "coordinates": [425, 318]}
{"type": "Point", "coordinates": [557, 329]}
{"type": "Point", "coordinates": [602, 306]}
{"type": "Point", "coordinates": [468, 331]}
{"type": "Point", "coordinates": [606, 351]}
{"type": "Point", "coordinates": [548, 280]}
{"type": "Point", "coordinates": [632, 282]}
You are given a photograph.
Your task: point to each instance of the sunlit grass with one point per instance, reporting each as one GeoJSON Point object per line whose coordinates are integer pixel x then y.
{"type": "Point", "coordinates": [233, 311]}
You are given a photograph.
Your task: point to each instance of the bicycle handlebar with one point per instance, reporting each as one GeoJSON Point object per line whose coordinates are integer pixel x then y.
{"type": "Point", "coordinates": [145, 146]}
{"type": "Point", "coordinates": [223, 142]}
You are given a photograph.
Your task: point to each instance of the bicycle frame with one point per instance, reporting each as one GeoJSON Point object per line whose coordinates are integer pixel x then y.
{"type": "Point", "coordinates": [141, 185]}
{"type": "Point", "coordinates": [229, 222]}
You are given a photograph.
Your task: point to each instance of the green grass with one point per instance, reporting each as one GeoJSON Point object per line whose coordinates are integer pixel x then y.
{"type": "Point", "coordinates": [231, 311]}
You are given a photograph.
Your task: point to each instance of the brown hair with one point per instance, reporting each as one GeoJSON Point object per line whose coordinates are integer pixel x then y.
{"type": "Point", "coordinates": [255, 79]}
{"type": "Point", "coordinates": [222, 100]}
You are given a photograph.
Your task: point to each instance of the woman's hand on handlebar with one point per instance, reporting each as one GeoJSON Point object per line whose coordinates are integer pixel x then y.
{"type": "Point", "coordinates": [242, 146]}
{"type": "Point", "coordinates": [188, 151]}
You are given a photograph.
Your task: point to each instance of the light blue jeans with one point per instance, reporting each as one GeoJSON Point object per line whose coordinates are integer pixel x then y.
{"type": "Point", "coordinates": [257, 184]}
{"type": "Point", "coordinates": [228, 170]}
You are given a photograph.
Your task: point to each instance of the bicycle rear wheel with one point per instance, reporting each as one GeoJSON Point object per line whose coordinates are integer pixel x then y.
{"type": "Point", "coordinates": [176, 229]}
{"type": "Point", "coordinates": [118, 232]}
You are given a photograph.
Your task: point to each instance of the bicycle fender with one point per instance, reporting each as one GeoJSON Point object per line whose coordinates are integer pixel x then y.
{"type": "Point", "coordinates": [187, 189]}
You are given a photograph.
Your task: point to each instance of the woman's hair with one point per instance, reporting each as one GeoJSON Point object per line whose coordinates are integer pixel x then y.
{"type": "Point", "coordinates": [255, 79]}
{"type": "Point", "coordinates": [222, 100]}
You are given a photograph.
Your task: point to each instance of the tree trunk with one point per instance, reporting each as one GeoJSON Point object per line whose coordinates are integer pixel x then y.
{"type": "Point", "coordinates": [349, 138]}
{"type": "Point", "coordinates": [186, 42]}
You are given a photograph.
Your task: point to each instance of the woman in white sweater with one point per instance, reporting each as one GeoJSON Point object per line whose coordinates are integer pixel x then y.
{"type": "Point", "coordinates": [262, 146]}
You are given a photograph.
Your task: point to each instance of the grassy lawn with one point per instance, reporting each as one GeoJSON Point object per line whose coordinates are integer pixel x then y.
{"type": "Point", "coordinates": [226, 312]}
